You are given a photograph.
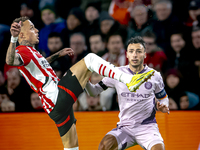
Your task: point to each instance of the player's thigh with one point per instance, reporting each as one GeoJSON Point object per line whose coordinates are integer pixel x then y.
{"type": "Point", "coordinates": [81, 72]}
{"type": "Point", "coordinates": [70, 139]}
{"type": "Point", "coordinates": [117, 139]}
{"type": "Point", "coordinates": [109, 142]}
{"type": "Point", "coordinates": [148, 135]}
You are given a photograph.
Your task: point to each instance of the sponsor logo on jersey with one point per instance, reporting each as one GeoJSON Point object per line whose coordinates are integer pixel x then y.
{"type": "Point", "coordinates": [136, 95]}
{"type": "Point", "coordinates": [45, 63]}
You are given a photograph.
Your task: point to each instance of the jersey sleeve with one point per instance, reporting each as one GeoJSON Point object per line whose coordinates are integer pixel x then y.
{"type": "Point", "coordinates": [160, 92]}
{"type": "Point", "coordinates": [24, 54]}
{"type": "Point", "coordinates": [109, 82]}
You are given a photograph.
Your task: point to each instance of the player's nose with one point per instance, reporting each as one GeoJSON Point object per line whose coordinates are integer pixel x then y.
{"type": "Point", "coordinates": [36, 30]}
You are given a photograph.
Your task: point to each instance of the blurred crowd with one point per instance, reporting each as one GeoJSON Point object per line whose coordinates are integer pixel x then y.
{"type": "Point", "coordinates": [170, 29]}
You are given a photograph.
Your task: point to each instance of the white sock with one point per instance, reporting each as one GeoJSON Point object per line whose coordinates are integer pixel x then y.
{"type": "Point", "coordinates": [106, 69]}
{"type": "Point", "coordinates": [74, 148]}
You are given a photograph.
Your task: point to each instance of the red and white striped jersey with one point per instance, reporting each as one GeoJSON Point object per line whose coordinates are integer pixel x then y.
{"type": "Point", "coordinates": [39, 75]}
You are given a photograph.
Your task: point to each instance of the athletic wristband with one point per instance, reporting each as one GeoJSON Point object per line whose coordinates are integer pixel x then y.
{"type": "Point", "coordinates": [13, 39]}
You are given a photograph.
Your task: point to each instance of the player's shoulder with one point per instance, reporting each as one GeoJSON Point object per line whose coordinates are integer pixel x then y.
{"type": "Point", "coordinates": [21, 48]}
{"type": "Point", "coordinates": [157, 74]}
{"type": "Point", "coordinates": [124, 68]}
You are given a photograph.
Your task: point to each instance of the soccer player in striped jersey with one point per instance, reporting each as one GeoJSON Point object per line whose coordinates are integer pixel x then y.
{"type": "Point", "coordinates": [58, 95]}
{"type": "Point", "coordinates": [137, 123]}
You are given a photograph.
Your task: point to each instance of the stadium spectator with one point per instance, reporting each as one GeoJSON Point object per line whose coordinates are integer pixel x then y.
{"type": "Point", "coordinates": [88, 102]}
{"type": "Point", "coordinates": [155, 57]}
{"type": "Point", "coordinates": [2, 79]}
{"type": "Point", "coordinates": [116, 53]}
{"type": "Point", "coordinates": [166, 23]}
{"type": "Point", "coordinates": [43, 3]}
{"type": "Point", "coordinates": [30, 9]}
{"type": "Point", "coordinates": [3, 94]}
{"type": "Point", "coordinates": [78, 44]}
{"type": "Point", "coordinates": [174, 84]}
{"type": "Point", "coordinates": [7, 106]}
{"type": "Point", "coordinates": [19, 91]}
{"type": "Point", "coordinates": [172, 104]}
{"type": "Point", "coordinates": [55, 44]}
{"type": "Point", "coordinates": [36, 102]}
{"type": "Point", "coordinates": [196, 37]}
{"type": "Point", "coordinates": [181, 59]}
{"type": "Point", "coordinates": [194, 13]}
{"type": "Point", "coordinates": [140, 21]}
{"type": "Point", "coordinates": [188, 101]}
{"type": "Point", "coordinates": [92, 13]}
{"type": "Point", "coordinates": [106, 22]}
{"type": "Point", "coordinates": [97, 44]}
{"type": "Point", "coordinates": [120, 10]}
{"type": "Point", "coordinates": [93, 103]}
{"type": "Point", "coordinates": [196, 44]}
{"type": "Point", "coordinates": [76, 22]}
{"type": "Point", "coordinates": [48, 17]}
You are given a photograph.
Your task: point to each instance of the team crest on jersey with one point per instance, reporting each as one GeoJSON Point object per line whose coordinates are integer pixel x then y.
{"type": "Point", "coordinates": [148, 85]}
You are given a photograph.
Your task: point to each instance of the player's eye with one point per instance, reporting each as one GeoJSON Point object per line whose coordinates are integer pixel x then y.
{"type": "Point", "coordinates": [130, 51]}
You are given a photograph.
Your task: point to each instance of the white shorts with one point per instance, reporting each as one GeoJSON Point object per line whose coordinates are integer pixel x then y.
{"type": "Point", "coordinates": [145, 135]}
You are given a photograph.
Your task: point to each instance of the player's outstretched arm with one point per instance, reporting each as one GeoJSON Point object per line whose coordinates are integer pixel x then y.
{"type": "Point", "coordinates": [13, 58]}
{"type": "Point", "coordinates": [93, 89]}
{"type": "Point", "coordinates": [61, 53]}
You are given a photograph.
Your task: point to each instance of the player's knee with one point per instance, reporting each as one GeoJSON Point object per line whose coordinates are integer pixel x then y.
{"type": "Point", "coordinates": [109, 142]}
{"type": "Point", "coordinates": [92, 55]}
{"type": "Point", "coordinates": [158, 146]}
{"type": "Point", "coordinates": [70, 144]}
{"type": "Point", "coordinates": [89, 58]}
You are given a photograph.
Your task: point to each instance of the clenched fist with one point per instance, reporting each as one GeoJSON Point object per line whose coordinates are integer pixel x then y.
{"type": "Point", "coordinates": [15, 29]}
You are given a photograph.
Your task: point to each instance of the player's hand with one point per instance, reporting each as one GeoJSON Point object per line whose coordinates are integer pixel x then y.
{"type": "Point", "coordinates": [15, 29]}
{"type": "Point", "coordinates": [162, 108]}
{"type": "Point", "coordinates": [66, 51]}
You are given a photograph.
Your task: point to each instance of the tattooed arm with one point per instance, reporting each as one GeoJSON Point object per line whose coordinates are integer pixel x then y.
{"type": "Point", "coordinates": [12, 58]}
{"type": "Point", "coordinates": [63, 52]}
{"type": "Point", "coordinates": [53, 57]}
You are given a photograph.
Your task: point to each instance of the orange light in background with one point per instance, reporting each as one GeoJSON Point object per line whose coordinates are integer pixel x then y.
{"type": "Point", "coordinates": [36, 131]}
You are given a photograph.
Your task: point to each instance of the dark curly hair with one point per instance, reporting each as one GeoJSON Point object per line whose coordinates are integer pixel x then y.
{"type": "Point", "coordinates": [135, 40]}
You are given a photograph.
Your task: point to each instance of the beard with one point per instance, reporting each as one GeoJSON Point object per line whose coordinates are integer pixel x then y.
{"type": "Point", "coordinates": [138, 64]}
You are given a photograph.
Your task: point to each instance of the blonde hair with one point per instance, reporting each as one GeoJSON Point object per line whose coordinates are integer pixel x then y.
{"type": "Point", "coordinates": [22, 19]}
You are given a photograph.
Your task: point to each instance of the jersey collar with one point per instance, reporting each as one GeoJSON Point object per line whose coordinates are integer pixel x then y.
{"type": "Point", "coordinates": [143, 70]}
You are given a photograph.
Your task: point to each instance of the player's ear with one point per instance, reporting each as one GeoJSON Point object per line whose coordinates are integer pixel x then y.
{"type": "Point", "coordinates": [21, 35]}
